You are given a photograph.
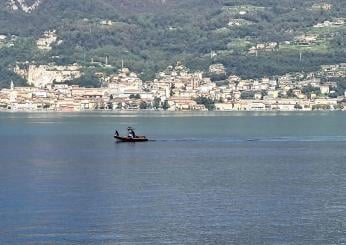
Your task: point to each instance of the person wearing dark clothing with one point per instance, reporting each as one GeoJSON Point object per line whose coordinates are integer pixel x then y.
{"type": "Point", "coordinates": [133, 133]}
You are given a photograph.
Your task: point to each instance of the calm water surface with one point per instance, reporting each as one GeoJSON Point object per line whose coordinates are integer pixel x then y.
{"type": "Point", "coordinates": [222, 178]}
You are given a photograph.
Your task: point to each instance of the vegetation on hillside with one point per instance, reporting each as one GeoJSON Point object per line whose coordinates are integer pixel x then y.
{"type": "Point", "coordinates": [151, 34]}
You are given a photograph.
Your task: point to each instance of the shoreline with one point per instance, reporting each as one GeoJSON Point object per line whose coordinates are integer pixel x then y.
{"type": "Point", "coordinates": [162, 112]}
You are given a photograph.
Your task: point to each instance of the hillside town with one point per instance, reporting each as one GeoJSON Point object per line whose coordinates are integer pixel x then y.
{"type": "Point", "coordinates": [50, 78]}
{"type": "Point", "coordinates": [174, 89]}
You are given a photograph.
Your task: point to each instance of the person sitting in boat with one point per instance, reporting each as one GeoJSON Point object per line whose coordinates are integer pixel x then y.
{"type": "Point", "coordinates": [131, 132]}
{"type": "Point", "coordinates": [116, 133]}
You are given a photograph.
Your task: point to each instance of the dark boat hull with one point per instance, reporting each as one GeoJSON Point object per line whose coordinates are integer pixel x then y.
{"type": "Point", "coordinates": [129, 139]}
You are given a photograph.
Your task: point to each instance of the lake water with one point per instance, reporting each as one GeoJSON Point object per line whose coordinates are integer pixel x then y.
{"type": "Point", "coordinates": [211, 178]}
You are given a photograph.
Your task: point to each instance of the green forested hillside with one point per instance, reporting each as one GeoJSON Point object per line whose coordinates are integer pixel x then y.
{"type": "Point", "coordinates": [151, 34]}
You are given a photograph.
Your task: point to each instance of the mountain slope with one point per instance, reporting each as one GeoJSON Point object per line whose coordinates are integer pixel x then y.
{"type": "Point", "coordinates": [151, 34]}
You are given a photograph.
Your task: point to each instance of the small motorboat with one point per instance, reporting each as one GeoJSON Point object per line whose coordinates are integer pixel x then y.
{"type": "Point", "coordinates": [130, 139]}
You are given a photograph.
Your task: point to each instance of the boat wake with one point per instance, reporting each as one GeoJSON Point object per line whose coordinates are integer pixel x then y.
{"type": "Point", "coordinates": [300, 139]}
{"type": "Point", "coordinates": [258, 139]}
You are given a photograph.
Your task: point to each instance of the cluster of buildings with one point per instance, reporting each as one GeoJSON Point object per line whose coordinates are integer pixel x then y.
{"type": "Point", "coordinates": [333, 71]}
{"type": "Point", "coordinates": [322, 6]}
{"type": "Point", "coordinates": [308, 39]}
{"type": "Point", "coordinates": [284, 93]}
{"type": "Point", "coordinates": [269, 46]}
{"type": "Point", "coordinates": [297, 91]}
{"type": "Point", "coordinates": [47, 40]}
{"type": "Point", "coordinates": [178, 89]}
{"type": "Point", "coordinates": [172, 89]}
{"type": "Point", "coordinates": [7, 41]}
{"type": "Point", "coordinates": [331, 23]}
{"type": "Point", "coordinates": [44, 43]}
